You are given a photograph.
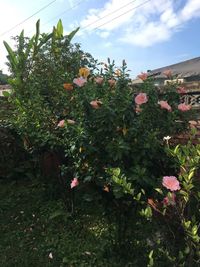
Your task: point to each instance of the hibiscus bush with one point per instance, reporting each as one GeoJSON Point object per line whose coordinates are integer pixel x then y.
{"type": "Point", "coordinates": [111, 124]}
{"type": "Point", "coordinates": [41, 68]}
{"type": "Point", "coordinates": [115, 141]}
{"type": "Point", "coordinates": [108, 135]}
{"type": "Point", "coordinates": [175, 204]}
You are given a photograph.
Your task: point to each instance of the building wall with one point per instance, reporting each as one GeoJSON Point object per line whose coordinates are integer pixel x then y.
{"type": "Point", "coordinates": [4, 88]}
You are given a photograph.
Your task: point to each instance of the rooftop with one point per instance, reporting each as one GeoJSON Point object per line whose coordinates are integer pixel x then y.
{"type": "Point", "coordinates": [184, 69]}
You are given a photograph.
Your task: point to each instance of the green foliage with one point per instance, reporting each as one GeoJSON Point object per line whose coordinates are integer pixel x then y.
{"type": "Point", "coordinates": [115, 135]}
{"type": "Point", "coordinates": [39, 68]}
{"type": "Point", "coordinates": [39, 226]}
{"type": "Point", "coordinates": [14, 159]}
{"type": "Point", "coordinates": [3, 78]}
{"type": "Point", "coordinates": [66, 103]}
{"type": "Point", "coordinates": [180, 210]}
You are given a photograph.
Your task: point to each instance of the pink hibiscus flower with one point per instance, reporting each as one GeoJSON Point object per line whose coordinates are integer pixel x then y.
{"type": "Point", "coordinates": [143, 76]}
{"type": "Point", "coordinates": [171, 183]}
{"type": "Point", "coordinates": [165, 105]}
{"type": "Point", "coordinates": [74, 183]}
{"type": "Point", "coordinates": [61, 123]}
{"type": "Point", "coordinates": [183, 107]}
{"type": "Point", "coordinates": [96, 104]}
{"type": "Point", "coordinates": [79, 81]}
{"type": "Point", "coordinates": [141, 98]}
{"type": "Point", "coordinates": [99, 80]}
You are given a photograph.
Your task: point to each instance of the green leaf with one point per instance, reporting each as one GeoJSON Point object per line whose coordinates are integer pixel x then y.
{"type": "Point", "coordinates": [191, 174]}
{"type": "Point", "coordinates": [29, 47]}
{"type": "Point", "coordinates": [12, 57]}
{"type": "Point", "coordinates": [59, 29]}
{"type": "Point", "coordinates": [151, 261]}
{"type": "Point", "coordinates": [65, 260]}
{"type": "Point", "coordinates": [147, 212]}
{"type": "Point", "coordinates": [187, 224]}
{"type": "Point", "coordinates": [138, 196]}
{"type": "Point", "coordinates": [151, 254]}
{"type": "Point", "coordinates": [71, 35]}
{"type": "Point", "coordinates": [6, 93]}
{"type": "Point", "coordinates": [37, 32]}
{"type": "Point", "coordinates": [176, 149]}
{"type": "Point", "coordinates": [87, 179]}
{"type": "Point", "coordinates": [45, 40]}
{"type": "Point", "coordinates": [143, 192]}
{"type": "Point", "coordinates": [187, 250]}
{"type": "Point", "coordinates": [116, 172]}
{"type": "Point", "coordinates": [159, 191]}
{"type": "Point", "coordinates": [21, 41]}
{"type": "Point", "coordinates": [194, 229]}
{"type": "Point", "coordinates": [56, 214]}
{"type": "Point", "coordinates": [36, 38]}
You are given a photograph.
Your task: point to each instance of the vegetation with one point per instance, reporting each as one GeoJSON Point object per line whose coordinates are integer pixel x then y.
{"type": "Point", "coordinates": [105, 164]}
{"type": "Point", "coordinates": [3, 78]}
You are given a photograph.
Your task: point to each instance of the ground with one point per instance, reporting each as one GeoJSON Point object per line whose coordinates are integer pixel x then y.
{"type": "Point", "coordinates": [36, 230]}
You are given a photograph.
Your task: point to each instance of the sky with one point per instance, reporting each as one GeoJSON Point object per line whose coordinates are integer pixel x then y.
{"type": "Point", "coordinates": [148, 34]}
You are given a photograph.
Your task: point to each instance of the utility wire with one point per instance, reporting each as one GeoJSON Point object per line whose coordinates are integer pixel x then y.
{"type": "Point", "coordinates": [65, 11]}
{"type": "Point", "coordinates": [120, 15]}
{"type": "Point", "coordinates": [44, 7]}
{"type": "Point", "coordinates": [77, 4]}
{"type": "Point", "coordinates": [108, 14]}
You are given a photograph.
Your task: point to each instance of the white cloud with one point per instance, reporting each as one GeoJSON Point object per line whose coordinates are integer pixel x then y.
{"type": "Point", "coordinates": [190, 10]}
{"type": "Point", "coordinates": [145, 23]}
{"type": "Point", "coordinates": [91, 21]}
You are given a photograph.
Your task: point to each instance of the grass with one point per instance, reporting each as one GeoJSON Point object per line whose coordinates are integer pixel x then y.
{"type": "Point", "coordinates": [36, 230]}
{"type": "Point", "coordinates": [34, 227]}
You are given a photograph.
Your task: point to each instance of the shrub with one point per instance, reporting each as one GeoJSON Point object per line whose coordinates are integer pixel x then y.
{"type": "Point", "coordinates": [107, 133]}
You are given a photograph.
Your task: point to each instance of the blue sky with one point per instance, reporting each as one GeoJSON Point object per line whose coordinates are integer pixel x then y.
{"type": "Point", "coordinates": [146, 33]}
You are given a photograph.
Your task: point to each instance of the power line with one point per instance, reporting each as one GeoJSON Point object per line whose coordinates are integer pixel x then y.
{"type": "Point", "coordinates": [122, 14]}
{"type": "Point", "coordinates": [65, 11]}
{"type": "Point", "coordinates": [73, 8]}
{"type": "Point", "coordinates": [44, 7]}
{"type": "Point", "coordinates": [108, 14]}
